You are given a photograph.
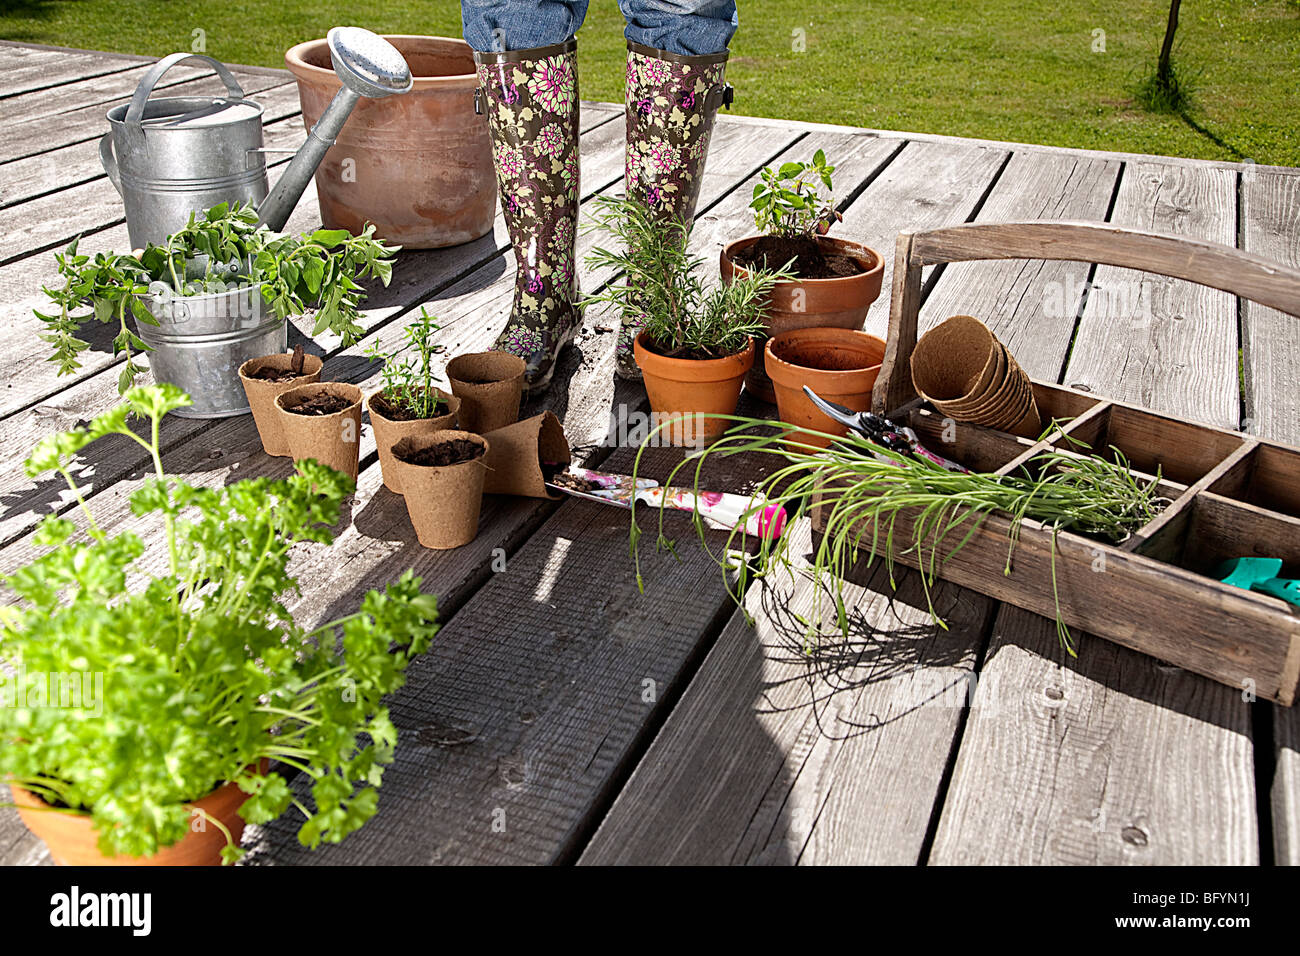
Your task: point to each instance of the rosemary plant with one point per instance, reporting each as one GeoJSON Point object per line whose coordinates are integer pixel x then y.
{"type": "Point", "coordinates": [661, 288]}
{"type": "Point", "coordinates": [865, 491]}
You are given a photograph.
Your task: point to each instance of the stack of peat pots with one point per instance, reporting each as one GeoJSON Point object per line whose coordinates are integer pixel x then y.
{"type": "Point", "coordinates": [962, 369]}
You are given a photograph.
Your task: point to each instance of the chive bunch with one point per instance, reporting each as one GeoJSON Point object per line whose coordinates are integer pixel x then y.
{"type": "Point", "coordinates": [864, 490]}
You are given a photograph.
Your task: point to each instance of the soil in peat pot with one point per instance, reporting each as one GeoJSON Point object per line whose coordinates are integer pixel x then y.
{"type": "Point", "coordinates": [320, 405]}
{"type": "Point", "coordinates": [400, 413]}
{"type": "Point", "coordinates": [444, 453]}
{"type": "Point", "coordinates": [810, 261]}
{"type": "Point", "coordinates": [270, 374]}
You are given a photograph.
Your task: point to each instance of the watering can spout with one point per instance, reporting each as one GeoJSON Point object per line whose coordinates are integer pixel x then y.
{"type": "Point", "coordinates": [367, 65]}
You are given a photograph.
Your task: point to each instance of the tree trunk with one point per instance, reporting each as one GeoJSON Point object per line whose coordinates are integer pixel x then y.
{"type": "Point", "coordinates": [1167, 48]}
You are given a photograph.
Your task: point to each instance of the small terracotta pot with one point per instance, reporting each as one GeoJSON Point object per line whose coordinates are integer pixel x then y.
{"type": "Point", "coordinates": [73, 841]}
{"type": "Point", "coordinates": [518, 452]}
{"type": "Point", "coordinates": [443, 501]}
{"type": "Point", "coordinates": [490, 386]}
{"type": "Point", "coordinates": [811, 303]}
{"type": "Point", "coordinates": [333, 440]}
{"type": "Point", "coordinates": [417, 165]}
{"type": "Point", "coordinates": [261, 395]}
{"type": "Point", "coordinates": [840, 365]}
{"type": "Point", "coordinates": [389, 431]}
{"type": "Point", "coordinates": [693, 390]}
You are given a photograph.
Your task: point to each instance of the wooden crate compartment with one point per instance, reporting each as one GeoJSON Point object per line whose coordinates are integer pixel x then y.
{"type": "Point", "coordinates": [1219, 528]}
{"type": "Point", "coordinates": [1179, 452]}
{"type": "Point", "coordinates": [1268, 477]}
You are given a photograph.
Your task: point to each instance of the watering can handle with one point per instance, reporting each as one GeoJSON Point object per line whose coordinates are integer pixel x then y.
{"type": "Point", "coordinates": [135, 112]}
{"type": "Point", "coordinates": [109, 161]}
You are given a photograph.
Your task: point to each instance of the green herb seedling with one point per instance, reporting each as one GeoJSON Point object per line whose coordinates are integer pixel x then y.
{"type": "Point", "coordinates": [787, 201]}
{"type": "Point", "coordinates": [408, 370]}
{"type": "Point", "coordinates": [661, 288]}
{"type": "Point", "coordinates": [319, 270]}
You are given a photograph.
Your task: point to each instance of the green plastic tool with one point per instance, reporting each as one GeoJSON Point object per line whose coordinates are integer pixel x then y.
{"type": "Point", "coordinates": [1259, 574]}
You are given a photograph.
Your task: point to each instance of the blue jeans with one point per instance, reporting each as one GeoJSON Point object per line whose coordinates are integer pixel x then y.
{"type": "Point", "coordinates": [685, 27]}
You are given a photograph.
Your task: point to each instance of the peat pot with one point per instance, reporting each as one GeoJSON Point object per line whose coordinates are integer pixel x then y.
{"type": "Point", "coordinates": [419, 166]}
{"type": "Point", "coordinates": [200, 342]}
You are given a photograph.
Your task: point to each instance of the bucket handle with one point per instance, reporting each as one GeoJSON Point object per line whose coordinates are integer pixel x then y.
{"type": "Point", "coordinates": [109, 161]}
{"type": "Point", "coordinates": [135, 112]}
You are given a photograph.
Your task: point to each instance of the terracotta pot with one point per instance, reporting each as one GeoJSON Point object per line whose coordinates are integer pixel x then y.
{"type": "Point", "coordinates": [693, 390]}
{"type": "Point", "coordinates": [490, 386]}
{"type": "Point", "coordinates": [261, 395]}
{"type": "Point", "coordinates": [73, 841]}
{"type": "Point", "coordinates": [389, 431]}
{"type": "Point", "coordinates": [419, 164]}
{"type": "Point", "coordinates": [519, 453]}
{"type": "Point", "coordinates": [333, 440]}
{"type": "Point", "coordinates": [443, 501]}
{"type": "Point", "coordinates": [840, 365]}
{"type": "Point", "coordinates": [811, 303]}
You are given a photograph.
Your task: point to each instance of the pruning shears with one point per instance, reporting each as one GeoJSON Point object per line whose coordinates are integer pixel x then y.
{"type": "Point", "coordinates": [881, 431]}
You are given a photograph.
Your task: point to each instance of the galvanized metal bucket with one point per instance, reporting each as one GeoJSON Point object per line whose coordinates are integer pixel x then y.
{"type": "Point", "coordinates": [171, 156]}
{"type": "Point", "coordinates": [201, 340]}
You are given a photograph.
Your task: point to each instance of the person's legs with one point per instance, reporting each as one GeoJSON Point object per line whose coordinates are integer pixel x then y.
{"type": "Point", "coordinates": [495, 26]}
{"type": "Point", "coordinates": [684, 27]}
{"type": "Point", "coordinates": [676, 61]}
{"type": "Point", "coordinates": [529, 92]}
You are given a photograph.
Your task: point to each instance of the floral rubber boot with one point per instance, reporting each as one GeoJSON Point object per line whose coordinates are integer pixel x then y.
{"type": "Point", "coordinates": [530, 98]}
{"type": "Point", "coordinates": [672, 101]}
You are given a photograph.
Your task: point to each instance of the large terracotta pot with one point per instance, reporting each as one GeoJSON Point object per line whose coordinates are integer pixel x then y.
{"type": "Point", "coordinates": [692, 390]}
{"type": "Point", "coordinates": [419, 164]}
{"type": "Point", "coordinates": [811, 303]}
{"type": "Point", "coordinates": [73, 841]}
{"type": "Point", "coordinates": [840, 365]}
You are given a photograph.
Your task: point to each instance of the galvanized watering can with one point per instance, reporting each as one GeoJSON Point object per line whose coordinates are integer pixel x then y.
{"type": "Point", "coordinates": [173, 156]}
{"type": "Point", "coordinates": [176, 155]}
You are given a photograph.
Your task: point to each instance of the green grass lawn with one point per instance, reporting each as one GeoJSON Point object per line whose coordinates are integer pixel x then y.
{"type": "Point", "coordinates": [1019, 70]}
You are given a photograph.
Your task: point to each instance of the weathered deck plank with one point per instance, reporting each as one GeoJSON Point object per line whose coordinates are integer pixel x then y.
{"type": "Point", "coordinates": [1270, 341]}
{"type": "Point", "coordinates": [739, 753]}
{"type": "Point", "coordinates": [30, 69]}
{"type": "Point", "coordinates": [1115, 758]}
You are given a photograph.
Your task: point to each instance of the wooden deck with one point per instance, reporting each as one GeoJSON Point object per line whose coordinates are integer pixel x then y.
{"type": "Point", "coordinates": [564, 717]}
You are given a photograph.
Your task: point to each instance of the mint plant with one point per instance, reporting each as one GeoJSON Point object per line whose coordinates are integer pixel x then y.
{"type": "Point", "coordinates": [207, 673]}
{"type": "Point", "coordinates": [214, 252]}
{"type": "Point", "coordinates": [408, 370]}
{"type": "Point", "coordinates": [787, 202]}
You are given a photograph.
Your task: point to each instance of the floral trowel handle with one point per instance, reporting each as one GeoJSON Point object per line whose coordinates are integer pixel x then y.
{"type": "Point", "coordinates": [719, 509]}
